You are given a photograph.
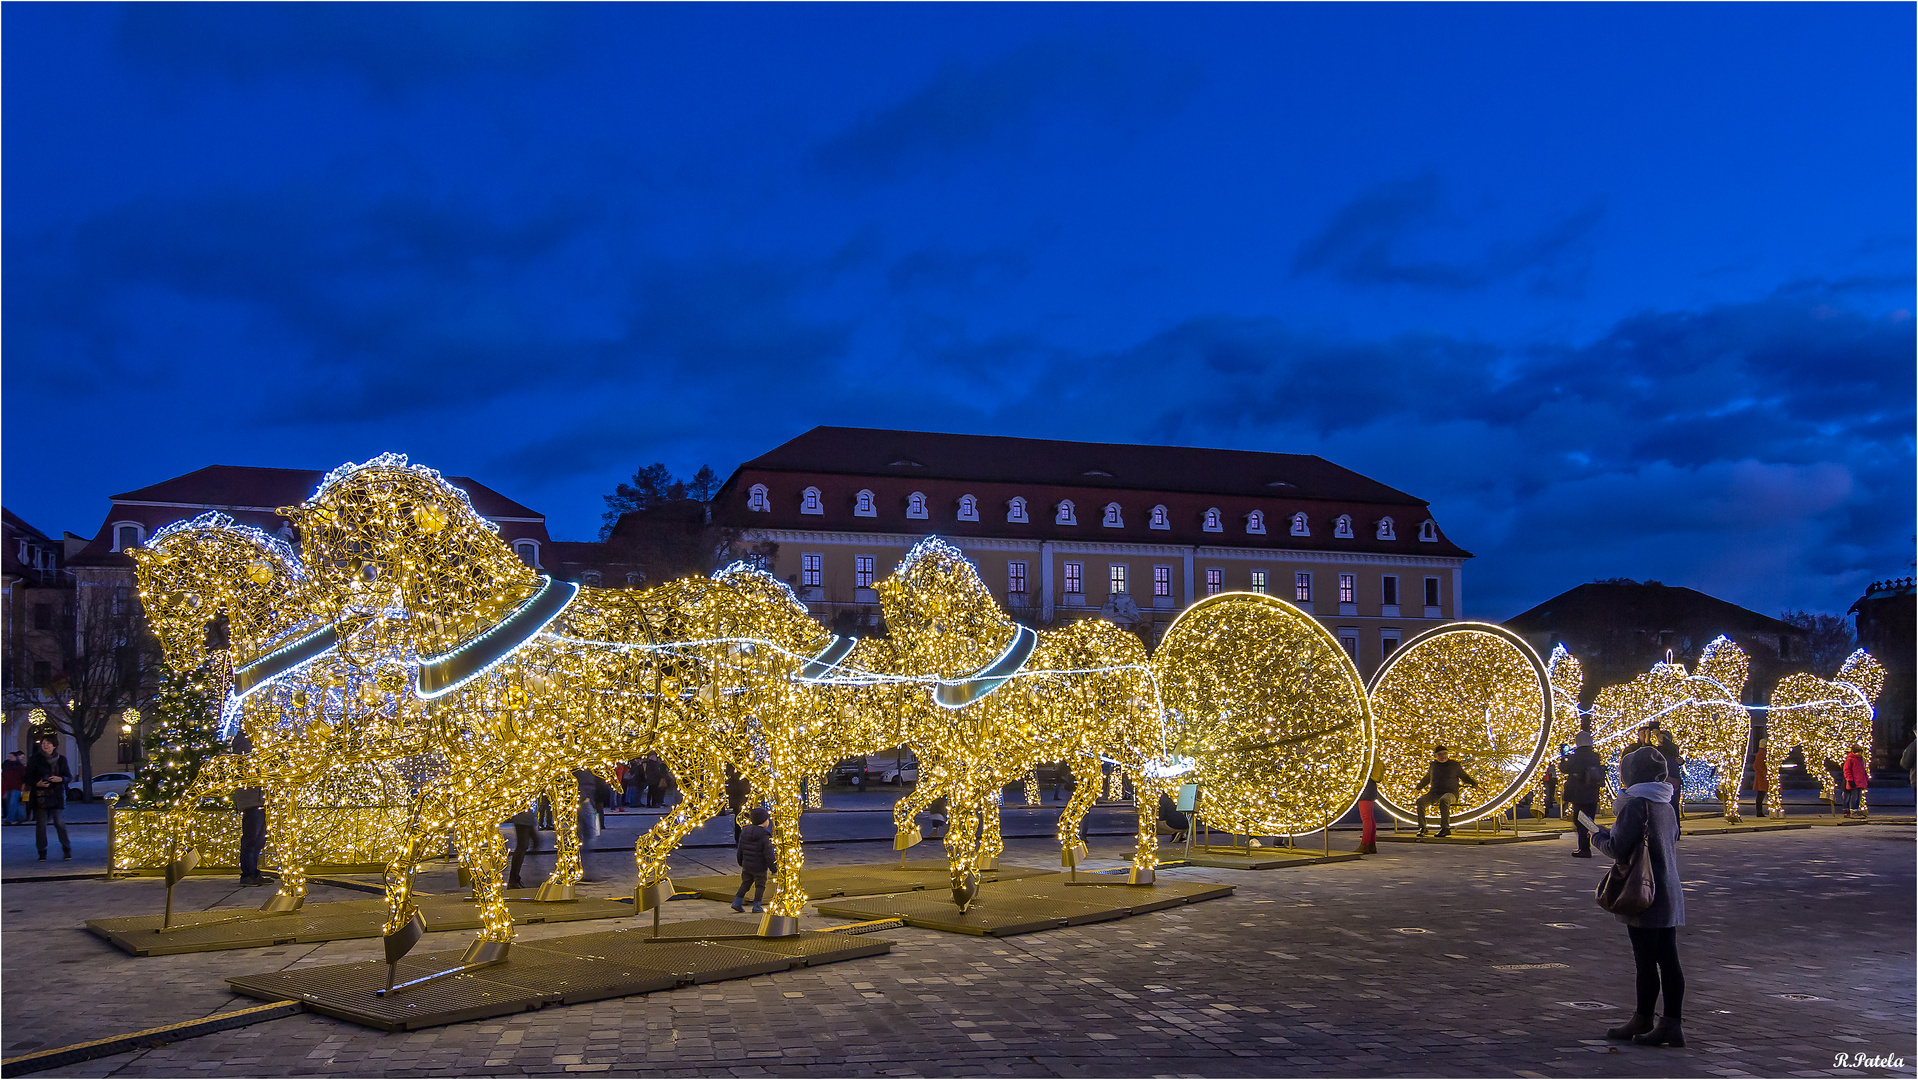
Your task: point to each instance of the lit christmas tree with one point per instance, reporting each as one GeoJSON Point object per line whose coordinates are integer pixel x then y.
{"type": "Point", "coordinates": [185, 734]}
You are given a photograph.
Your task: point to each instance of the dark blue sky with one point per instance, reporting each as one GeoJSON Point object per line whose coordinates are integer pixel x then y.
{"type": "Point", "coordinates": [1624, 290]}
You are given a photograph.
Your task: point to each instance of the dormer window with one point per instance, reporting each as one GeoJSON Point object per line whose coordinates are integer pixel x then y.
{"type": "Point", "coordinates": [810, 502]}
{"type": "Point", "coordinates": [127, 535]}
{"type": "Point", "coordinates": [1428, 531]}
{"type": "Point", "coordinates": [1114, 517]}
{"type": "Point", "coordinates": [1063, 514]}
{"type": "Point", "coordinates": [1255, 523]}
{"type": "Point", "coordinates": [1214, 521]}
{"type": "Point", "coordinates": [1343, 527]}
{"type": "Point", "coordinates": [916, 506]}
{"type": "Point", "coordinates": [528, 551]}
{"type": "Point", "coordinates": [968, 508]}
{"type": "Point", "coordinates": [1016, 511]}
{"type": "Point", "coordinates": [758, 498]}
{"type": "Point", "coordinates": [1385, 530]}
{"type": "Point", "coordinates": [864, 504]}
{"type": "Point", "coordinates": [1300, 526]}
{"type": "Point", "coordinates": [1161, 517]}
{"type": "Point", "coordinates": [590, 577]}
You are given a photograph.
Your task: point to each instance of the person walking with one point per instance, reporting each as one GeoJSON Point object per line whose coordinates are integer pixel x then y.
{"type": "Point", "coordinates": [1857, 780]}
{"type": "Point", "coordinates": [46, 777]}
{"type": "Point", "coordinates": [1368, 821]}
{"type": "Point", "coordinates": [250, 801]}
{"type": "Point", "coordinates": [1584, 776]}
{"type": "Point", "coordinates": [1442, 779]}
{"type": "Point", "coordinates": [13, 778]}
{"type": "Point", "coordinates": [1645, 816]}
{"type": "Point", "coordinates": [1761, 778]}
{"type": "Point", "coordinates": [756, 860]}
{"type": "Point", "coordinates": [738, 790]}
{"type": "Point", "coordinates": [1674, 768]}
{"type": "Point", "coordinates": [1550, 809]}
{"type": "Point", "coordinates": [1909, 762]}
{"type": "Point", "coordinates": [654, 771]}
{"type": "Point", "coordinates": [525, 841]}
{"type": "Point", "coordinates": [588, 820]}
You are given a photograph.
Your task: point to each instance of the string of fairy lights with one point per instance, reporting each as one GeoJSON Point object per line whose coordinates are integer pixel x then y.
{"type": "Point", "coordinates": [1251, 700]}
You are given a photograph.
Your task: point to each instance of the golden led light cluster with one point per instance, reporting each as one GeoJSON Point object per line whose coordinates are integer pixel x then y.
{"type": "Point", "coordinates": [1267, 705]}
{"type": "Point", "coordinates": [1825, 718]}
{"type": "Point", "coordinates": [1700, 709]}
{"type": "Point", "coordinates": [1567, 678]}
{"type": "Point", "coordinates": [1480, 691]}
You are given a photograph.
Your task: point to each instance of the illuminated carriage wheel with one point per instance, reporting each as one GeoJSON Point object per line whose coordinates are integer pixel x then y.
{"type": "Point", "coordinates": [1477, 689]}
{"type": "Point", "coordinates": [1267, 703]}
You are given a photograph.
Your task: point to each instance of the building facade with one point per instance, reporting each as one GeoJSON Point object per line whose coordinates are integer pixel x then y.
{"type": "Point", "coordinates": [38, 610]}
{"type": "Point", "coordinates": [1887, 622]}
{"type": "Point", "coordinates": [1064, 530]}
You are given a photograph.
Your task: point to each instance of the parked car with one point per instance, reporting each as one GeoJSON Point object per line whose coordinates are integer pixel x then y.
{"type": "Point", "coordinates": [104, 784]}
{"type": "Point", "coordinates": [848, 773]}
{"type": "Point", "coordinates": [893, 770]}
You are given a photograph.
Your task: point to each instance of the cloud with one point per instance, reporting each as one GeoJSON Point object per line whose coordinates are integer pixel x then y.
{"type": "Point", "coordinates": [391, 46]}
{"type": "Point", "coordinates": [966, 108]}
{"type": "Point", "coordinates": [1369, 241]}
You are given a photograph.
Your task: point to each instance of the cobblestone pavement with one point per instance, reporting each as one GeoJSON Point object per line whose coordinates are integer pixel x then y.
{"type": "Point", "coordinates": [1427, 961]}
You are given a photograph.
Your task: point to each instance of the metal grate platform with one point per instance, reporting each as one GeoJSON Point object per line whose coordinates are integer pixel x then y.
{"type": "Point", "coordinates": [1273, 858]}
{"type": "Point", "coordinates": [212, 931]}
{"type": "Point", "coordinates": [1466, 839]}
{"type": "Point", "coordinates": [1023, 907]}
{"type": "Point", "coordinates": [553, 971]}
{"type": "Point", "coordinates": [864, 879]}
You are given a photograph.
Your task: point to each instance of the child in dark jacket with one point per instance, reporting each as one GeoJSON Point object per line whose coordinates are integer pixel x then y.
{"type": "Point", "coordinates": [755, 860]}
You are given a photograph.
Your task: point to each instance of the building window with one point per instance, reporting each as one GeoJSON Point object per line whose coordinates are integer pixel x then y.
{"type": "Point", "coordinates": [810, 503]}
{"type": "Point", "coordinates": [1064, 515]}
{"type": "Point", "coordinates": [129, 747]}
{"type": "Point", "coordinates": [126, 536]}
{"type": "Point", "coordinates": [862, 571]}
{"type": "Point", "coordinates": [864, 504]}
{"type": "Point", "coordinates": [528, 551]}
{"type": "Point", "coordinates": [916, 506]}
{"type": "Point", "coordinates": [1302, 587]}
{"type": "Point", "coordinates": [1431, 592]}
{"type": "Point", "coordinates": [1161, 517]}
{"type": "Point", "coordinates": [1388, 643]}
{"type": "Point", "coordinates": [1349, 641]}
{"type": "Point", "coordinates": [1214, 521]}
{"type": "Point", "coordinates": [759, 499]}
{"type": "Point", "coordinates": [634, 577]}
{"type": "Point", "coordinates": [1301, 527]}
{"type": "Point", "coordinates": [811, 569]}
{"type": "Point", "coordinates": [1016, 577]}
{"type": "Point", "coordinates": [1428, 531]}
{"type": "Point", "coordinates": [1389, 590]}
{"type": "Point", "coordinates": [43, 616]}
{"type": "Point", "coordinates": [968, 508]}
{"type": "Point", "coordinates": [1385, 530]}
{"type": "Point", "coordinates": [1075, 578]}
{"type": "Point", "coordinates": [1258, 581]}
{"type": "Point", "coordinates": [590, 577]}
{"type": "Point", "coordinates": [1214, 581]}
{"type": "Point", "coordinates": [1116, 579]}
{"type": "Point", "coordinates": [1016, 511]}
{"type": "Point", "coordinates": [1348, 588]}
{"type": "Point", "coordinates": [122, 601]}
{"type": "Point", "coordinates": [1343, 527]}
{"type": "Point", "coordinates": [1255, 522]}
{"type": "Point", "coordinates": [1162, 581]}
{"type": "Point", "coordinates": [1115, 518]}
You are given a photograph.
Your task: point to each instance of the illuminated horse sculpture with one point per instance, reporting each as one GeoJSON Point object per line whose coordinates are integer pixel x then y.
{"type": "Point", "coordinates": [1823, 718]}
{"type": "Point", "coordinates": [1700, 708]}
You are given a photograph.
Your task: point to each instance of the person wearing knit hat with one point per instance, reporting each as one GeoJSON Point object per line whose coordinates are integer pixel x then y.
{"type": "Point", "coordinates": [1584, 775]}
{"type": "Point", "coordinates": [1645, 816]}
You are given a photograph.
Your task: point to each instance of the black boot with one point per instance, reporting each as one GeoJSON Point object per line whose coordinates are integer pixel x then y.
{"type": "Point", "coordinates": [1667, 1033]}
{"type": "Point", "coordinates": [1638, 1025]}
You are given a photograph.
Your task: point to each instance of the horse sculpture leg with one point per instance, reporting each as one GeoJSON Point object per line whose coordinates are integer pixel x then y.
{"type": "Point", "coordinates": [1072, 849]}
{"type": "Point", "coordinates": [705, 797]}
{"type": "Point", "coordinates": [788, 895]}
{"type": "Point", "coordinates": [293, 844]}
{"type": "Point", "coordinates": [906, 811]}
{"type": "Point", "coordinates": [1145, 850]}
{"type": "Point", "coordinates": [484, 855]}
{"type": "Point", "coordinates": [962, 846]}
{"type": "Point", "coordinates": [563, 797]}
{"type": "Point", "coordinates": [991, 843]}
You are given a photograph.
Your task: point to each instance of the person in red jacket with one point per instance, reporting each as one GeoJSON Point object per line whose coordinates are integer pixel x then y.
{"type": "Point", "coordinates": [1857, 779]}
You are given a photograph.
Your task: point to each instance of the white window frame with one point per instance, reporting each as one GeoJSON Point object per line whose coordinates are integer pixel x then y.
{"type": "Point", "coordinates": [1302, 586]}
{"type": "Point", "coordinates": [811, 502]}
{"type": "Point", "coordinates": [1342, 528]}
{"type": "Point", "coordinates": [1114, 516]}
{"type": "Point", "coordinates": [1348, 588]}
{"type": "Point", "coordinates": [139, 533]}
{"type": "Point", "coordinates": [1016, 578]}
{"type": "Point", "coordinates": [968, 507]}
{"type": "Point", "coordinates": [1016, 510]}
{"type": "Point", "coordinates": [1385, 531]}
{"type": "Point", "coordinates": [1258, 581]}
{"type": "Point", "coordinates": [519, 549]}
{"type": "Point", "coordinates": [1063, 515]}
{"type": "Point", "coordinates": [916, 506]}
{"type": "Point", "coordinates": [1074, 573]}
{"type": "Point", "coordinates": [865, 504]}
{"type": "Point", "coordinates": [1118, 580]}
{"type": "Point", "coordinates": [1349, 641]}
{"type": "Point", "coordinates": [865, 571]}
{"type": "Point", "coordinates": [1162, 581]}
{"type": "Point", "coordinates": [590, 577]}
{"type": "Point", "coordinates": [1434, 595]}
{"type": "Point", "coordinates": [1161, 518]}
{"type": "Point", "coordinates": [1428, 531]}
{"type": "Point", "coordinates": [812, 569]}
{"type": "Point", "coordinates": [759, 499]}
{"type": "Point", "coordinates": [1214, 580]}
{"type": "Point", "coordinates": [1390, 638]}
{"type": "Point", "coordinates": [1394, 590]}
{"type": "Point", "coordinates": [1301, 525]}
{"type": "Point", "coordinates": [1213, 521]}
{"type": "Point", "coordinates": [1255, 523]}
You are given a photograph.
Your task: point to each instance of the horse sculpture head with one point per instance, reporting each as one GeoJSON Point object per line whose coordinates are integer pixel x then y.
{"type": "Point", "coordinates": [209, 578]}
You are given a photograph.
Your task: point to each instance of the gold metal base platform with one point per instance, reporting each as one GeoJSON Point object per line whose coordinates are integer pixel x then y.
{"type": "Point", "coordinates": [1265, 858]}
{"type": "Point", "coordinates": [1021, 907]}
{"type": "Point", "coordinates": [555, 971]}
{"type": "Point", "coordinates": [1721, 827]}
{"type": "Point", "coordinates": [1467, 837]}
{"type": "Point", "coordinates": [226, 928]}
{"type": "Point", "coordinates": [864, 879]}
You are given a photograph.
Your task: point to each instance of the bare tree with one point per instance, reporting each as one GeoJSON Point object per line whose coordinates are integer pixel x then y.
{"type": "Point", "coordinates": [107, 659]}
{"type": "Point", "coordinates": [1828, 639]}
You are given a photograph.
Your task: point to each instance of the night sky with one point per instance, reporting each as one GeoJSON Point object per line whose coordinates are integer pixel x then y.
{"type": "Point", "coordinates": [1624, 290]}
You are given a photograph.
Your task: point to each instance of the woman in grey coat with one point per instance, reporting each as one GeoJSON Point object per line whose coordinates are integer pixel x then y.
{"type": "Point", "coordinates": [1645, 815]}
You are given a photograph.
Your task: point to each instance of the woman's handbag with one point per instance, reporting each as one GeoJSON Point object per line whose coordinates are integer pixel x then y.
{"type": "Point", "coordinates": [1632, 890]}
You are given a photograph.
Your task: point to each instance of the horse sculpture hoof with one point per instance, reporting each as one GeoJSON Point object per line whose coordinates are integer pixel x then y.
{"type": "Point", "coordinates": [280, 902]}
{"type": "Point", "coordinates": [905, 839]}
{"type": "Point", "coordinates": [965, 890]}
{"type": "Point", "coordinates": [553, 892]}
{"type": "Point", "coordinates": [988, 862]}
{"type": "Point", "coordinates": [778, 925]}
{"type": "Point", "coordinates": [486, 952]}
{"type": "Point", "coordinates": [648, 897]}
{"type": "Point", "coordinates": [1073, 855]}
{"type": "Point", "coordinates": [1142, 875]}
